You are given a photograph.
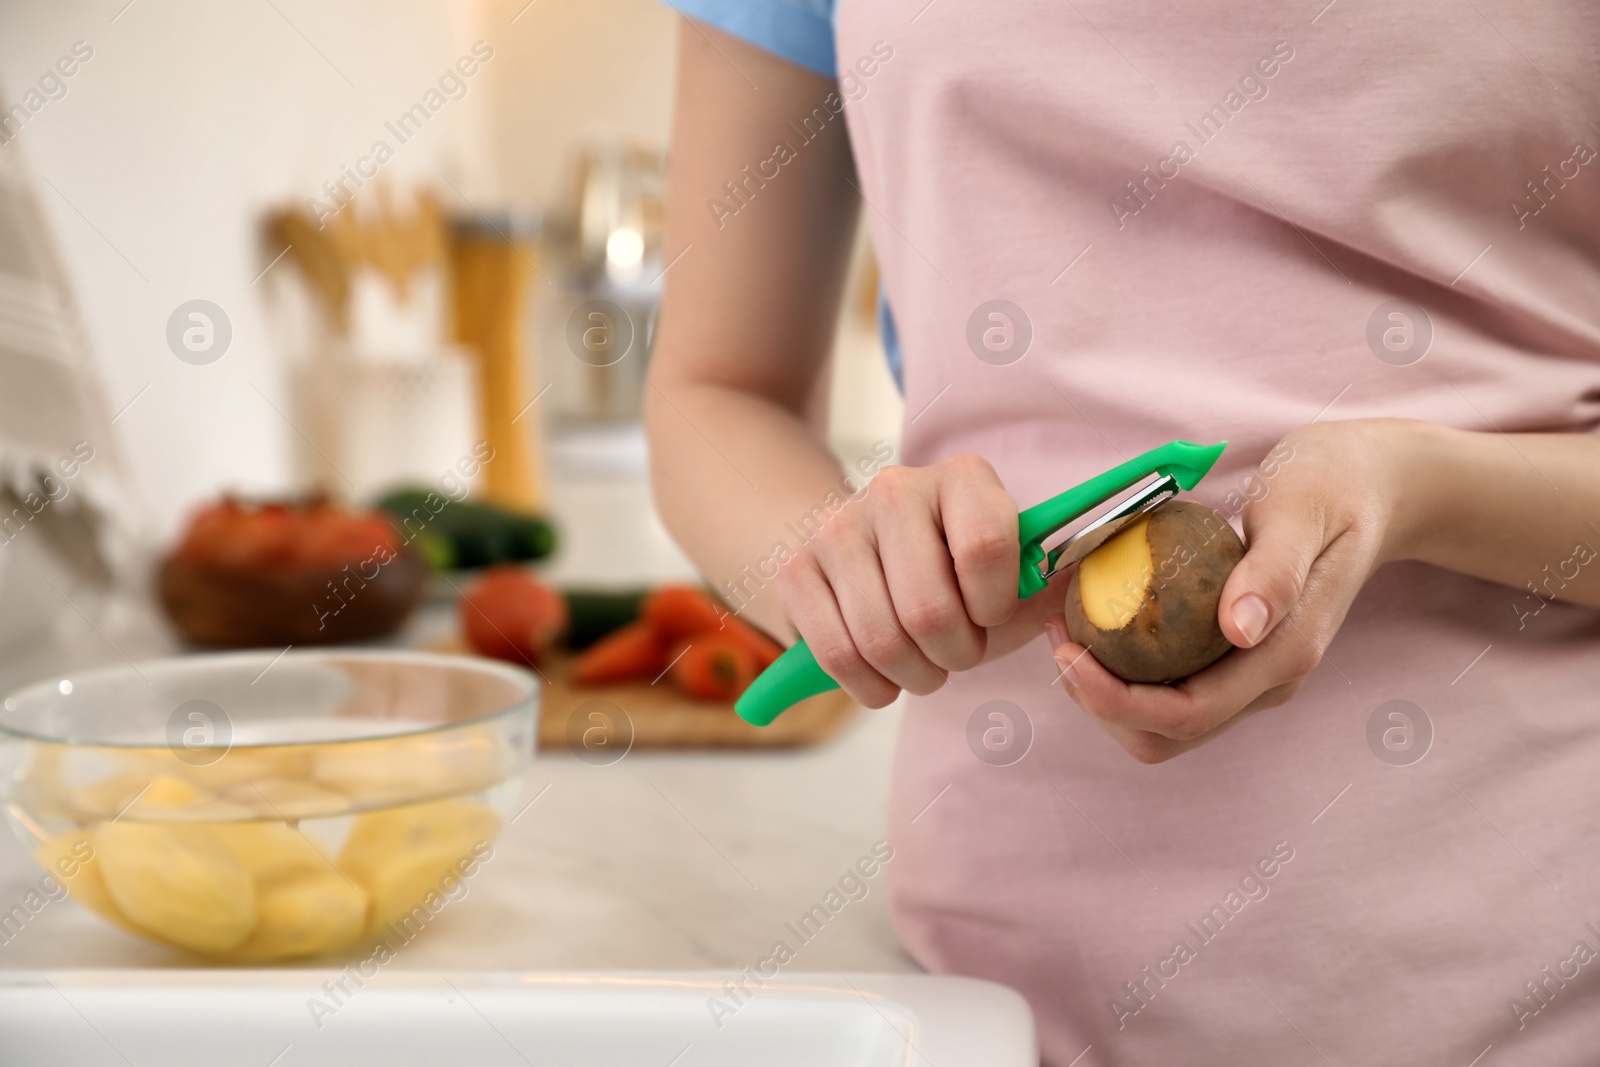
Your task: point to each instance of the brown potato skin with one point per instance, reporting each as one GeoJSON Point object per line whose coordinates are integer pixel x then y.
{"type": "Point", "coordinates": [1175, 631]}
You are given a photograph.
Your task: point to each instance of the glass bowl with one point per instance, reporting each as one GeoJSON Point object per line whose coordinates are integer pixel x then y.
{"type": "Point", "coordinates": [261, 806]}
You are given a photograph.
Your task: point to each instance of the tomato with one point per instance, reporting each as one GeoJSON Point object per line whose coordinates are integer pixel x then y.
{"type": "Point", "coordinates": [275, 534]}
{"type": "Point", "coordinates": [509, 614]}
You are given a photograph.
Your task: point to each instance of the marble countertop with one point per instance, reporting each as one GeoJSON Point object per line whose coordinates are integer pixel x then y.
{"type": "Point", "coordinates": [662, 861]}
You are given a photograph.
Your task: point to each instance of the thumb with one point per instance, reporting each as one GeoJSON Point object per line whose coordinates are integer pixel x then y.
{"type": "Point", "coordinates": [1268, 582]}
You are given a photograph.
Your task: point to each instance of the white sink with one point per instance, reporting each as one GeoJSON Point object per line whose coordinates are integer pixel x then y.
{"type": "Point", "coordinates": [286, 1018]}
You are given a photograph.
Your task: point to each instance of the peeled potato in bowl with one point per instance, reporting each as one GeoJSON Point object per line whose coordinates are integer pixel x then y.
{"type": "Point", "coordinates": [346, 790]}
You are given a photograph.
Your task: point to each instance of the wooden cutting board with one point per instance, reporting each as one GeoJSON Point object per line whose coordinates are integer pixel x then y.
{"type": "Point", "coordinates": [594, 721]}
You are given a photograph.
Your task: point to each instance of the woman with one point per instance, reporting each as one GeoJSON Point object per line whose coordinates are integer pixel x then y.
{"type": "Point", "coordinates": [1359, 245]}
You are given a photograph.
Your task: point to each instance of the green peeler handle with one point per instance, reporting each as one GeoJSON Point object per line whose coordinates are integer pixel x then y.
{"type": "Point", "coordinates": [795, 675]}
{"type": "Point", "coordinates": [792, 677]}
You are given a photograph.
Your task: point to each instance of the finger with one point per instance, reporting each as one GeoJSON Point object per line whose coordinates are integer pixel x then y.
{"type": "Point", "coordinates": [1152, 747]}
{"type": "Point", "coordinates": [815, 612]}
{"type": "Point", "coordinates": [922, 587]}
{"type": "Point", "coordinates": [1187, 710]}
{"type": "Point", "coordinates": [980, 526]}
{"type": "Point", "coordinates": [1165, 710]}
{"type": "Point", "coordinates": [1285, 537]}
{"type": "Point", "coordinates": [1147, 747]}
{"type": "Point", "coordinates": [1093, 688]}
{"type": "Point", "coordinates": [856, 576]}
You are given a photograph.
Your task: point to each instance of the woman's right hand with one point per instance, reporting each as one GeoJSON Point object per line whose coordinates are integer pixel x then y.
{"type": "Point", "coordinates": [909, 581]}
{"type": "Point", "coordinates": [906, 583]}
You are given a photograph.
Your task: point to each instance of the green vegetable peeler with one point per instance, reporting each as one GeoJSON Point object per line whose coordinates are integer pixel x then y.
{"type": "Point", "coordinates": [1159, 475]}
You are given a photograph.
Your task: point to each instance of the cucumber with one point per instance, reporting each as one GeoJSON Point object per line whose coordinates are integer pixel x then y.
{"type": "Point", "coordinates": [477, 534]}
{"type": "Point", "coordinates": [594, 613]}
{"type": "Point", "coordinates": [439, 551]}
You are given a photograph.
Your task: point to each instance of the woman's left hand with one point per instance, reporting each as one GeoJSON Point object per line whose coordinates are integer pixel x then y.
{"type": "Point", "coordinates": [1327, 508]}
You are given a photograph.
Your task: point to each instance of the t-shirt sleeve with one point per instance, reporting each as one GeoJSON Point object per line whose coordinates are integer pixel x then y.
{"type": "Point", "coordinates": [800, 31]}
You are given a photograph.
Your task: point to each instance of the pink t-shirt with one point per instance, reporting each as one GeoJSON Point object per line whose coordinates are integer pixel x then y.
{"type": "Point", "coordinates": [1204, 212]}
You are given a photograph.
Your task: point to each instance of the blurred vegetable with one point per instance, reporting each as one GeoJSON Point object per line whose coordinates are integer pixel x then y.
{"type": "Point", "coordinates": [437, 550]}
{"type": "Point", "coordinates": [634, 651]}
{"type": "Point", "coordinates": [680, 611]}
{"type": "Point", "coordinates": [236, 533]}
{"type": "Point", "coordinates": [763, 648]}
{"type": "Point", "coordinates": [712, 654]}
{"type": "Point", "coordinates": [714, 667]}
{"type": "Point", "coordinates": [594, 614]}
{"type": "Point", "coordinates": [511, 615]}
{"type": "Point", "coordinates": [479, 535]}
{"type": "Point", "coordinates": [255, 574]}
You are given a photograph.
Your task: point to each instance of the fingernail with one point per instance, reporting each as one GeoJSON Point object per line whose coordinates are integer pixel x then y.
{"type": "Point", "coordinates": [1069, 673]}
{"type": "Point", "coordinates": [1056, 631]}
{"type": "Point", "coordinates": [1250, 615]}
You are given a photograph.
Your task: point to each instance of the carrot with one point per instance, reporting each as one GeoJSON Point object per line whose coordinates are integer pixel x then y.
{"type": "Point", "coordinates": [764, 648]}
{"type": "Point", "coordinates": [680, 611]}
{"type": "Point", "coordinates": [634, 651]}
{"type": "Point", "coordinates": [714, 667]}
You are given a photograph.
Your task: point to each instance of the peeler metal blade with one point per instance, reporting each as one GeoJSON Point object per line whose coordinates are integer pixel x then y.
{"type": "Point", "coordinates": [1144, 499]}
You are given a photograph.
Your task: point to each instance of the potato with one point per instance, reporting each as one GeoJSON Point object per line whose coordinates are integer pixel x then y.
{"type": "Point", "coordinates": [289, 799]}
{"type": "Point", "coordinates": [400, 770]}
{"type": "Point", "coordinates": [180, 883]}
{"type": "Point", "coordinates": [70, 857]}
{"type": "Point", "coordinates": [271, 850]}
{"type": "Point", "coordinates": [1145, 603]}
{"type": "Point", "coordinates": [243, 764]}
{"type": "Point", "coordinates": [305, 914]}
{"type": "Point", "coordinates": [400, 855]}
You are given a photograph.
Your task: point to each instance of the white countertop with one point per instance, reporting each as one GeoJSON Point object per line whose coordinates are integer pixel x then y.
{"type": "Point", "coordinates": [668, 861]}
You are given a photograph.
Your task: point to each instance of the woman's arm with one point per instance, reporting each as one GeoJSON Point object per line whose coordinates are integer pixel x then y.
{"type": "Point", "coordinates": [909, 581]}
{"type": "Point", "coordinates": [737, 381]}
{"type": "Point", "coordinates": [1521, 509]}
{"type": "Point", "coordinates": [1339, 500]}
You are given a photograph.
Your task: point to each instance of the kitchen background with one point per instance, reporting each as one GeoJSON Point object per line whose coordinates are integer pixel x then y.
{"type": "Point", "coordinates": [183, 310]}
{"type": "Point", "coordinates": [193, 121]}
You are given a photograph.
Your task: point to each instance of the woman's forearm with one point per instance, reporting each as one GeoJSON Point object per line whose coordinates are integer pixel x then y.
{"type": "Point", "coordinates": [758, 242]}
{"type": "Point", "coordinates": [738, 480]}
{"type": "Point", "coordinates": [1519, 509]}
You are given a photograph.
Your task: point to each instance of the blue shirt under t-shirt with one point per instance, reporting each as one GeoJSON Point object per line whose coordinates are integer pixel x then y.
{"type": "Point", "coordinates": [800, 31]}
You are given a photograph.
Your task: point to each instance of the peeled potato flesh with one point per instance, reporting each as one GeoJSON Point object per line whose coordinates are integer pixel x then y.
{"type": "Point", "coordinates": [388, 771]}
{"type": "Point", "coordinates": [1114, 581]}
{"type": "Point", "coordinates": [108, 797]}
{"type": "Point", "coordinates": [289, 799]}
{"type": "Point", "coordinates": [242, 765]}
{"type": "Point", "coordinates": [455, 823]}
{"type": "Point", "coordinates": [180, 883]}
{"type": "Point", "coordinates": [272, 850]}
{"type": "Point", "coordinates": [70, 858]}
{"type": "Point", "coordinates": [1145, 603]}
{"type": "Point", "coordinates": [401, 854]}
{"type": "Point", "coordinates": [304, 914]}
{"type": "Point", "coordinates": [168, 792]}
